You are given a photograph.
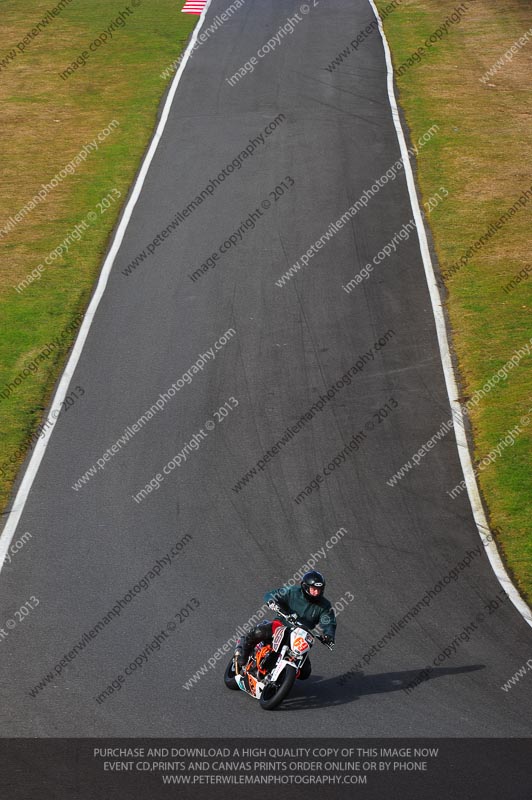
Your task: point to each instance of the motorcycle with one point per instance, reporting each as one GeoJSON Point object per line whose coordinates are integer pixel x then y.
{"type": "Point", "coordinates": [271, 669]}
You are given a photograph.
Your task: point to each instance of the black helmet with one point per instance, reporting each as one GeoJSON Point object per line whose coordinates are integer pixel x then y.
{"type": "Point", "coordinates": [315, 579]}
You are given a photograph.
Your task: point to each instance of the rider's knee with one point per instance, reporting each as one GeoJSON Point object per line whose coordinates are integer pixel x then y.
{"type": "Point", "coordinates": [263, 630]}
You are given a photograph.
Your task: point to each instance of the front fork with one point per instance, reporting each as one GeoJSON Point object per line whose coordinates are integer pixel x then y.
{"type": "Point", "coordinates": [296, 663]}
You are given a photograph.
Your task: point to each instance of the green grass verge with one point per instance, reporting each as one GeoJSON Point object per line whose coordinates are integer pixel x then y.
{"type": "Point", "coordinates": [482, 157]}
{"type": "Point", "coordinates": [47, 121]}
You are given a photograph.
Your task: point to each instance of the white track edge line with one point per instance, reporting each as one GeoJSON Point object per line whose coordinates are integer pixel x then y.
{"type": "Point", "coordinates": [31, 471]}
{"type": "Point", "coordinates": [445, 353]}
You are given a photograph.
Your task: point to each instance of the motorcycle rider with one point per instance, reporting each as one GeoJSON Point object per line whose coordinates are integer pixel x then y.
{"type": "Point", "coordinates": [307, 605]}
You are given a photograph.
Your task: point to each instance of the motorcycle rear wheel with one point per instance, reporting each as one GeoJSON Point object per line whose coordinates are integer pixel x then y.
{"type": "Point", "coordinates": [229, 676]}
{"type": "Point", "coordinates": [274, 693]}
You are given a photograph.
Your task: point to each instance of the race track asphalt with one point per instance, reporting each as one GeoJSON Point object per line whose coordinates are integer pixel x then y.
{"type": "Point", "coordinates": [335, 138]}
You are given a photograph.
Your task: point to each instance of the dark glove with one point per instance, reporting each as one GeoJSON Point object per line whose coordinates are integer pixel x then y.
{"type": "Point", "coordinates": [326, 639]}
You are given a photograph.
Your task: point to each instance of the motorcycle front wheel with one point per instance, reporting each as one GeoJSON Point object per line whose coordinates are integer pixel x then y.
{"type": "Point", "coordinates": [274, 693]}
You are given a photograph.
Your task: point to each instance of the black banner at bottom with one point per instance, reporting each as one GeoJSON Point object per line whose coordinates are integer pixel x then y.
{"type": "Point", "coordinates": [372, 769]}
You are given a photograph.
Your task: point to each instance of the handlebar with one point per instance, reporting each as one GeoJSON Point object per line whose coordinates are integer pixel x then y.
{"type": "Point", "coordinates": [292, 624]}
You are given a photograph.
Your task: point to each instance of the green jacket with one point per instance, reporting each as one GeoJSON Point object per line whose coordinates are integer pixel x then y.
{"type": "Point", "coordinates": [309, 613]}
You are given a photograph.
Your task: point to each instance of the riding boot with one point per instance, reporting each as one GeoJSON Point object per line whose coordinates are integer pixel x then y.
{"type": "Point", "coordinates": [261, 633]}
{"type": "Point", "coordinates": [306, 669]}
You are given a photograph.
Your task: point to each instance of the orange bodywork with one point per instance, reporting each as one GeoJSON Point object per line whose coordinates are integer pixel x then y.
{"type": "Point", "coordinates": [261, 655]}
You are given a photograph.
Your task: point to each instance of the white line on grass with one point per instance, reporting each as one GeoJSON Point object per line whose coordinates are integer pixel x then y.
{"type": "Point", "coordinates": [443, 341]}
{"type": "Point", "coordinates": [40, 448]}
